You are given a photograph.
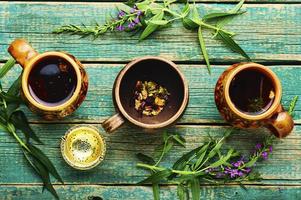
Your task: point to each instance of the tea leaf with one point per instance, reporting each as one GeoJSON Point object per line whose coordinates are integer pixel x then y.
{"type": "Point", "coordinates": [214, 16]}
{"type": "Point", "coordinates": [146, 159]}
{"type": "Point", "coordinates": [156, 191]}
{"type": "Point", "coordinates": [157, 176]}
{"type": "Point", "coordinates": [41, 171]}
{"type": "Point", "coordinates": [6, 67]}
{"type": "Point", "coordinates": [229, 42]}
{"type": "Point", "coordinates": [292, 105]}
{"type": "Point", "coordinates": [195, 188]}
{"type": "Point", "coordinates": [151, 27]}
{"type": "Point", "coordinates": [37, 153]}
{"type": "Point", "coordinates": [20, 121]}
{"type": "Point", "coordinates": [203, 48]}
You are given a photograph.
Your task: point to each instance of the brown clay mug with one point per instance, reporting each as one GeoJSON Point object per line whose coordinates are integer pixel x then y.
{"type": "Point", "coordinates": [159, 70]}
{"type": "Point", "coordinates": [248, 95]}
{"type": "Point", "coordinates": [54, 84]}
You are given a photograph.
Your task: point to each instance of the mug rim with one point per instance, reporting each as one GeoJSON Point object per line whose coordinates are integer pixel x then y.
{"type": "Point", "coordinates": [274, 79]}
{"type": "Point", "coordinates": [27, 70]}
{"type": "Point", "coordinates": [131, 119]}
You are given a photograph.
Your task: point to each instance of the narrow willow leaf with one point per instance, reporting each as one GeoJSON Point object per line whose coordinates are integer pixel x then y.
{"type": "Point", "coordinates": [3, 127]}
{"type": "Point", "coordinates": [292, 105]}
{"type": "Point", "coordinates": [145, 158]}
{"type": "Point", "coordinates": [20, 121]}
{"type": "Point", "coordinates": [250, 163]}
{"type": "Point", "coordinates": [189, 24]}
{"type": "Point", "coordinates": [37, 153]}
{"type": "Point", "coordinates": [10, 98]}
{"type": "Point", "coordinates": [6, 67]}
{"type": "Point", "coordinates": [214, 16]}
{"type": "Point", "coordinates": [150, 28]}
{"type": "Point", "coordinates": [41, 171]}
{"type": "Point", "coordinates": [14, 89]}
{"type": "Point", "coordinates": [226, 20]}
{"type": "Point", "coordinates": [185, 10]}
{"type": "Point", "coordinates": [179, 164]}
{"type": "Point", "coordinates": [222, 160]}
{"type": "Point", "coordinates": [230, 43]}
{"type": "Point", "coordinates": [195, 189]}
{"type": "Point", "coordinates": [200, 155]}
{"type": "Point", "coordinates": [179, 139]}
{"type": "Point", "coordinates": [157, 176]}
{"type": "Point", "coordinates": [156, 191]}
{"type": "Point", "coordinates": [181, 192]}
{"type": "Point", "coordinates": [203, 48]}
{"type": "Point", "coordinates": [159, 22]}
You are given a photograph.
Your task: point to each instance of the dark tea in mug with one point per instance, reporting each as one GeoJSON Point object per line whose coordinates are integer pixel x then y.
{"type": "Point", "coordinates": [52, 81]}
{"type": "Point", "coordinates": [252, 91]}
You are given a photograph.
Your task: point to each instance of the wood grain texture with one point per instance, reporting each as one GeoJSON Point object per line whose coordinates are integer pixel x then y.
{"type": "Point", "coordinates": [267, 32]}
{"type": "Point", "coordinates": [201, 108]}
{"type": "Point", "coordinates": [119, 166]}
{"type": "Point", "coordinates": [91, 192]}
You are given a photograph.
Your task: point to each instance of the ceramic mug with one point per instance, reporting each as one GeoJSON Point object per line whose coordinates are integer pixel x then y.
{"type": "Point", "coordinates": [273, 117]}
{"type": "Point", "coordinates": [159, 70]}
{"type": "Point", "coordinates": [28, 58]}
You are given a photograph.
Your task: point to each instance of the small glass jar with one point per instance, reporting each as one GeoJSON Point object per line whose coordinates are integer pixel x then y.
{"type": "Point", "coordinates": [83, 147]}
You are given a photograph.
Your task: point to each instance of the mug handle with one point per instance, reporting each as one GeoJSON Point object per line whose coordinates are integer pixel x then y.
{"type": "Point", "coordinates": [20, 50]}
{"type": "Point", "coordinates": [281, 124]}
{"type": "Point", "coordinates": [114, 122]}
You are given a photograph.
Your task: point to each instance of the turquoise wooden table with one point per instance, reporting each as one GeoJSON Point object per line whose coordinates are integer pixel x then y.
{"type": "Point", "coordinates": [270, 32]}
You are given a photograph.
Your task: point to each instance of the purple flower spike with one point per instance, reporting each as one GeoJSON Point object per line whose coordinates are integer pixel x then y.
{"type": "Point", "coordinates": [121, 14]}
{"type": "Point", "coordinates": [131, 25]}
{"type": "Point", "coordinates": [270, 149]}
{"type": "Point", "coordinates": [248, 170]}
{"type": "Point", "coordinates": [265, 155]}
{"type": "Point", "coordinates": [137, 20]}
{"type": "Point", "coordinates": [238, 163]}
{"type": "Point", "coordinates": [258, 146]}
{"type": "Point", "coordinates": [139, 12]}
{"type": "Point", "coordinates": [120, 28]}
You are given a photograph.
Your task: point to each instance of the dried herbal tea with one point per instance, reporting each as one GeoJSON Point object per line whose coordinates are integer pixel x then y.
{"type": "Point", "coordinates": [150, 98]}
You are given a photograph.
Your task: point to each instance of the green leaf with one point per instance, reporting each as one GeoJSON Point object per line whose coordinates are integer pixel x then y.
{"type": "Point", "coordinates": [185, 10]}
{"type": "Point", "coordinates": [218, 15]}
{"type": "Point", "coordinates": [200, 155]}
{"type": "Point", "coordinates": [203, 48]}
{"type": "Point", "coordinates": [41, 171]}
{"type": "Point", "coordinates": [179, 164]}
{"type": "Point", "coordinates": [150, 28]}
{"type": "Point", "coordinates": [157, 176]}
{"type": "Point", "coordinates": [156, 191]}
{"type": "Point", "coordinates": [38, 154]}
{"type": "Point", "coordinates": [251, 162]}
{"type": "Point", "coordinates": [292, 105]}
{"type": "Point", "coordinates": [222, 159]}
{"type": "Point", "coordinates": [195, 14]}
{"type": "Point", "coordinates": [3, 127]}
{"type": "Point", "coordinates": [181, 192]}
{"type": "Point", "coordinates": [20, 121]}
{"type": "Point", "coordinates": [226, 20]}
{"type": "Point", "coordinates": [10, 98]}
{"type": "Point", "coordinates": [14, 89]}
{"type": "Point", "coordinates": [6, 67]}
{"type": "Point", "coordinates": [179, 139]}
{"type": "Point", "coordinates": [189, 24]}
{"type": "Point", "coordinates": [159, 22]}
{"type": "Point", "coordinates": [195, 188]}
{"type": "Point", "coordinates": [230, 43]}
{"type": "Point", "coordinates": [145, 158]}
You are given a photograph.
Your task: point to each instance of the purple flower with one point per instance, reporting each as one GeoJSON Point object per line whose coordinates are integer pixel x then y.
{"type": "Point", "coordinates": [121, 14]}
{"type": "Point", "coordinates": [131, 25]}
{"type": "Point", "coordinates": [258, 146]}
{"type": "Point", "coordinates": [265, 155]}
{"type": "Point", "coordinates": [238, 163]}
{"type": "Point", "coordinates": [240, 173]}
{"type": "Point", "coordinates": [137, 20]}
{"type": "Point", "coordinates": [270, 149]}
{"type": "Point", "coordinates": [231, 172]}
{"type": "Point", "coordinates": [139, 12]}
{"type": "Point", "coordinates": [133, 9]}
{"type": "Point", "coordinates": [219, 175]}
{"type": "Point", "coordinates": [248, 170]}
{"type": "Point", "coordinates": [120, 28]}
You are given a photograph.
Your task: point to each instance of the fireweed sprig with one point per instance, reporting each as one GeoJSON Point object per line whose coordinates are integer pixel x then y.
{"type": "Point", "coordinates": [149, 16]}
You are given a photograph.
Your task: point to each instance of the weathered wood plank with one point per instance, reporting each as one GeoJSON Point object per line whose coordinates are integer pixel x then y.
{"type": "Point", "coordinates": [268, 32]}
{"type": "Point", "coordinates": [119, 166]}
{"type": "Point", "coordinates": [201, 108]}
{"type": "Point", "coordinates": [91, 192]}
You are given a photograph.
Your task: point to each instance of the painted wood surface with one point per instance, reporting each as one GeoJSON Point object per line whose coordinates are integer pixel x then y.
{"type": "Point", "coordinates": [119, 166]}
{"type": "Point", "coordinates": [267, 32]}
{"type": "Point", "coordinates": [96, 192]}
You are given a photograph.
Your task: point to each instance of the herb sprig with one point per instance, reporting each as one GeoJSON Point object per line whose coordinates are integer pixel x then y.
{"type": "Point", "coordinates": [13, 121]}
{"type": "Point", "coordinates": [148, 16]}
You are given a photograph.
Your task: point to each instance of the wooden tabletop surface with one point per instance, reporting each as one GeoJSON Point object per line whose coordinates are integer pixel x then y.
{"type": "Point", "coordinates": [270, 32]}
